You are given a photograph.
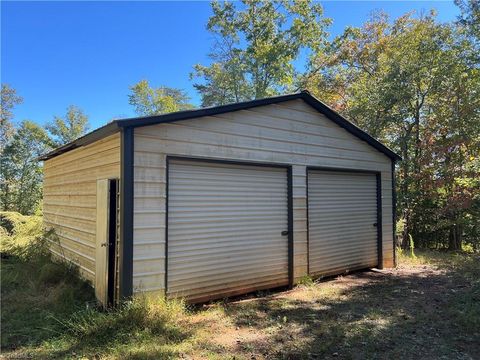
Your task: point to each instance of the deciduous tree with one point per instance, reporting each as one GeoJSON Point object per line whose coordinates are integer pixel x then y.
{"type": "Point", "coordinates": [68, 128]}
{"type": "Point", "coordinates": [155, 101]}
{"type": "Point", "coordinates": [256, 44]}
{"type": "Point", "coordinates": [414, 84]}
{"type": "Point", "coordinates": [9, 99]}
{"type": "Point", "coordinates": [21, 173]}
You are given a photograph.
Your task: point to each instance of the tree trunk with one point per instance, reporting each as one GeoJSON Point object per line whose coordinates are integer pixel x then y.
{"type": "Point", "coordinates": [455, 238]}
{"type": "Point", "coordinates": [406, 230]}
{"type": "Point", "coordinates": [459, 238]}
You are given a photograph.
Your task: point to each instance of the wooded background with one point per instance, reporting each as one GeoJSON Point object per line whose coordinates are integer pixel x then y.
{"type": "Point", "coordinates": [411, 82]}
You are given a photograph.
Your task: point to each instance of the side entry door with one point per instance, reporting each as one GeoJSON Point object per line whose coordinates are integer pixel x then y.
{"type": "Point", "coordinates": [107, 225]}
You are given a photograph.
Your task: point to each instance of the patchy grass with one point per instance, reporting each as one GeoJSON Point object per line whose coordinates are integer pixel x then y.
{"type": "Point", "coordinates": [429, 308]}
{"type": "Point", "coordinates": [35, 290]}
{"type": "Point", "coordinates": [49, 312]}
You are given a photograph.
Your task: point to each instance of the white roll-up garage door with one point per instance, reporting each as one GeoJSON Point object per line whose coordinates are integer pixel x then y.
{"type": "Point", "coordinates": [225, 224]}
{"type": "Point", "coordinates": [342, 217]}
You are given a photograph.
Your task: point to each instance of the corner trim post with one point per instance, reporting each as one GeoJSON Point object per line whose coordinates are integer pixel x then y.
{"type": "Point", "coordinates": [291, 258]}
{"type": "Point", "coordinates": [126, 213]}
{"type": "Point", "coordinates": [379, 221]}
{"type": "Point", "coordinates": [394, 214]}
{"type": "Point", "coordinates": [167, 182]}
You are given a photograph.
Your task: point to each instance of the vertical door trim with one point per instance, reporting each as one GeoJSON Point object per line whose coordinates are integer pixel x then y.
{"type": "Point", "coordinates": [288, 167]}
{"type": "Point", "coordinates": [112, 277]}
{"type": "Point", "coordinates": [378, 178]}
{"type": "Point", "coordinates": [126, 213]}
{"type": "Point", "coordinates": [102, 231]}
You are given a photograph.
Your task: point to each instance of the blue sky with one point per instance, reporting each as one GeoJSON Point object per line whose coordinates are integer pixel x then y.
{"type": "Point", "coordinates": [88, 53]}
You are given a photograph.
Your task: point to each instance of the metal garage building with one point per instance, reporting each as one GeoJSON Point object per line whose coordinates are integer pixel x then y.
{"type": "Point", "coordinates": [221, 201]}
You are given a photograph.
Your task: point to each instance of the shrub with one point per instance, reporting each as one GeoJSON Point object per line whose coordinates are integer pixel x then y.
{"type": "Point", "coordinates": [306, 280]}
{"type": "Point", "coordinates": [18, 230]}
{"type": "Point", "coordinates": [9, 220]}
{"type": "Point", "coordinates": [24, 238]}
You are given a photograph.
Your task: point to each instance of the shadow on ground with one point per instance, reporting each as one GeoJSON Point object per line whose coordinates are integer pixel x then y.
{"type": "Point", "coordinates": [426, 313]}
{"type": "Point", "coordinates": [44, 315]}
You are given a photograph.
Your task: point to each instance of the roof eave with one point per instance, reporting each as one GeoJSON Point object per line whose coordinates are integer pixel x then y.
{"type": "Point", "coordinates": [190, 114]}
{"type": "Point", "coordinates": [349, 126]}
{"type": "Point", "coordinates": [98, 134]}
{"type": "Point", "coordinates": [215, 110]}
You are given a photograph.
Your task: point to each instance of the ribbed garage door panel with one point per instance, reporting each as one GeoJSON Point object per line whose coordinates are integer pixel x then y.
{"type": "Point", "coordinates": [342, 208]}
{"type": "Point", "coordinates": [224, 229]}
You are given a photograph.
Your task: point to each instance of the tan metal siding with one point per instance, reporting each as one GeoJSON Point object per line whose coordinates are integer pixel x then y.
{"type": "Point", "coordinates": [289, 133]}
{"type": "Point", "coordinates": [224, 228]}
{"type": "Point", "coordinates": [342, 208]}
{"type": "Point", "coordinates": [69, 198]}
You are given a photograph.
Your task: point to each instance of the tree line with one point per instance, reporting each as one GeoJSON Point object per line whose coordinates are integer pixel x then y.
{"type": "Point", "coordinates": [412, 82]}
{"type": "Point", "coordinates": [21, 145]}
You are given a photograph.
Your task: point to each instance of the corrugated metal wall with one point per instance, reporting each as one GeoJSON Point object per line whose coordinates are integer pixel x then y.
{"type": "Point", "coordinates": [70, 198]}
{"type": "Point", "coordinates": [342, 211]}
{"type": "Point", "coordinates": [291, 133]}
{"type": "Point", "coordinates": [224, 228]}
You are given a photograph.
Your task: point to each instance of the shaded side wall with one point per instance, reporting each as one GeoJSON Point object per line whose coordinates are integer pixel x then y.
{"type": "Point", "coordinates": [69, 198]}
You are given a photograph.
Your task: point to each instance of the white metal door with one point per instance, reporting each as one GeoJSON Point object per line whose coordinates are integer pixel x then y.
{"type": "Point", "coordinates": [342, 217]}
{"type": "Point", "coordinates": [225, 226]}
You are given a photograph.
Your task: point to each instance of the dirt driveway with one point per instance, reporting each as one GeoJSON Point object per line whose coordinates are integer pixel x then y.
{"type": "Point", "coordinates": [417, 311]}
{"type": "Point", "coordinates": [427, 308]}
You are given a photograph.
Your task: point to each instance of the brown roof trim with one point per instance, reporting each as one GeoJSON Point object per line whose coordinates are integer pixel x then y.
{"type": "Point", "coordinates": [114, 126]}
{"type": "Point", "coordinates": [98, 134]}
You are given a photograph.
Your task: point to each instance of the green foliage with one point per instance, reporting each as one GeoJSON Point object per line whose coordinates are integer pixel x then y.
{"type": "Point", "coordinates": [255, 47]}
{"type": "Point", "coordinates": [400, 227]}
{"type": "Point", "coordinates": [306, 280]}
{"type": "Point", "coordinates": [21, 174]}
{"type": "Point", "coordinates": [470, 18]}
{"type": "Point", "coordinates": [155, 101]}
{"type": "Point", "coordinates": [9, 99]}
{"type": "Point", "coordinates": [34, 286]}
{"type": "Point", "coordinates": [411, 246]}
{"type": "Point", "coordinates": [68, 128]}
{"type": "Point", "coordinates": [10, 221]}
{"type": "Point", "coordinates": [18, 229]}
{"type": "Point", "coordinates": [414, 84]}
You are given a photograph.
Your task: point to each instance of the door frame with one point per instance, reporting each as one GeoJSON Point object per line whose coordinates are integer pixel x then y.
{"type": "Point", "coordinates": [378, 178]}
{"type": "Point", "coordinates": [113, 277]}
{"type": "Point", "coordinates": [107, 235]}
{"type": "Point", "coordinates": [288, 167]}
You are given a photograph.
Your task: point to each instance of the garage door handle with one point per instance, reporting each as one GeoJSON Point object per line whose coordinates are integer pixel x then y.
{"type": "Point", "coordinates": [375, 224]}
{"type": "Point", "coordinates": [284, 232]}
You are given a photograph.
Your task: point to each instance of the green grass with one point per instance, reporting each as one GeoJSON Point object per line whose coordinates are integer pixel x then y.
{"type": "Point", "coordinates": [35, 290]}
{"type": "Point", "coordinates": [428, 308]}
{"type": "Point", "coordinates": [49, 312]}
